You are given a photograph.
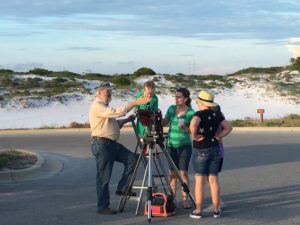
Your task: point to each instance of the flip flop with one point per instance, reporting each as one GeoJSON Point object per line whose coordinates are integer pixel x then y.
{"type": "Point", "coordinates": [187, 207]}
{"type": "Point", "coordinates": [185, 204]}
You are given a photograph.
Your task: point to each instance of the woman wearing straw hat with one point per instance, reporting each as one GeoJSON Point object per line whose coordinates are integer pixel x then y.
{"type": "Point", "coordinates": [206, 152]}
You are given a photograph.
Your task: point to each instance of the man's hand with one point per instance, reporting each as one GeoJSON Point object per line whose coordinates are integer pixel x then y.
{"type": "Point", "coordinates": [131, 118]}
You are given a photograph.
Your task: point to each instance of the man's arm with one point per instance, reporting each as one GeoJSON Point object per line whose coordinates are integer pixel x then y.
{"type": "Point", "coordinates": [109, 112]}
{"type": "Point", "coordinates": [121, 122]}
{"type": "Point", "coordinates": [138, 101]}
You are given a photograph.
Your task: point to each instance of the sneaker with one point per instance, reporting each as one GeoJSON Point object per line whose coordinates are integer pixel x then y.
{"type": "Point", "coordinates": [196, 215]}
{"type": "Point", "coordinates": [211, 207]}
{"type": "Point", "coordinates": [131, 193]}
{"type": "Point", "coordinates": [217, 214]}
{"type": "Point", "coordinates": [107, 211]}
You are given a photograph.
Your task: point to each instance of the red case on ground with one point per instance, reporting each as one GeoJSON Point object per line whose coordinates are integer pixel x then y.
{"type": "Point", "coordinates": [162, 206]}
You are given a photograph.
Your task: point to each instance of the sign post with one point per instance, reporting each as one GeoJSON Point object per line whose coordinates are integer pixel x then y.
{"type": "Point", "coordinates": [261, 112]}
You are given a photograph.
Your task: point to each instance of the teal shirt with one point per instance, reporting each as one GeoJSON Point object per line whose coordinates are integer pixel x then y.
{"type": "Point", "coordinates": [153, 106]}
{"type": "Point", "coordinates": [177, 137]}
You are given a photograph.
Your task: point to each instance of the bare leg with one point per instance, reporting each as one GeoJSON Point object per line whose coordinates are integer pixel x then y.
{"type": "Point", "coordinates": [199, 191]}
{"type": "Point", "coordinates": [173, 182]}
{"type": "Point", "coordinates": [185, 178]}
{"type": "Point", "coordinates": [215, 192]}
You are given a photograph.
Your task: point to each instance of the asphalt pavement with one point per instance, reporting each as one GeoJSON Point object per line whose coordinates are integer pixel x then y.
{"type": "Point", "coordinates": [260, 181]}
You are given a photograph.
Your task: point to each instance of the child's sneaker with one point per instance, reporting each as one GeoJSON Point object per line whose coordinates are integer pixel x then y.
{"type": "Point", "coordinates": [196, 215]}
{"type": "Point", "coordinates": [217, 214]}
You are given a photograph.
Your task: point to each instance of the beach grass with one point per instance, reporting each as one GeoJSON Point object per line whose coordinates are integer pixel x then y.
{"type": "Point", "coordinates": [292, 120]}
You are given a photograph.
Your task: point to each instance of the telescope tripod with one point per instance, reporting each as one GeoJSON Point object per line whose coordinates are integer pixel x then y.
{"type": "Point", "coordinates": [150, 143]}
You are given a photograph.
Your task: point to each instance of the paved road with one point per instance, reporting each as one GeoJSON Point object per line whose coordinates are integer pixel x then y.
{"type": "Point", "coordinates": [260, 182]}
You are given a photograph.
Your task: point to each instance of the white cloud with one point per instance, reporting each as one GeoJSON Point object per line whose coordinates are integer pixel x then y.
{"type": "Point", "coordinates": [294, 48]}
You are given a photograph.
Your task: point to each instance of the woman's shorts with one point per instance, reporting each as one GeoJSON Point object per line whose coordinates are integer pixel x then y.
{"type": "Point", "coordinates": [206, 161]}
{"type": "Point", "coordinates": [220, 164]}
{"type": "Point", "coordinates": [181, 157]}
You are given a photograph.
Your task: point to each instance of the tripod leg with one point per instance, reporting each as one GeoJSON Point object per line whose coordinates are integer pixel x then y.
{"type": "Point", "coordinates": [124, 197]}
{"type": "Point", "coordinates": [149, 188]}
{"type": "Point", "coordinates": [165, 174]}
{"type": "Point", "coordinates": [142, 190]}
{"type": "Point", "coordinates": [137, 135]}
{"type": "Point", "coordinates": [136, 148]}
{"type": "Point", "coordinates": [183, 184]}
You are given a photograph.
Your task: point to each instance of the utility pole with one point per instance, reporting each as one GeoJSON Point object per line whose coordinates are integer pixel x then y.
{"type": "Point", "coordinates": [192, 67]}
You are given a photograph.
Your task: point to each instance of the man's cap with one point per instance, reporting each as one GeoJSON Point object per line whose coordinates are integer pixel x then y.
{"type": "Point", "coordinates": [104, 85]}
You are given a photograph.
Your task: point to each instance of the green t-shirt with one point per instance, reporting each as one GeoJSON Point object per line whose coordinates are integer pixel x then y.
{"type": "Point", "coordinates": [177, 137]}
{"type": "Point", "coordinates": [153, 106]}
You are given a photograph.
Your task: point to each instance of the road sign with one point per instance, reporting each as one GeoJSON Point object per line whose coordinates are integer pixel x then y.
{"type": "Point", "coordinates": [261, 112]}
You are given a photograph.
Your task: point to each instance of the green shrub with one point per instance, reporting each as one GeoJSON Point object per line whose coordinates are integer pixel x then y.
{"type": "Point", "coordinates": [40, 71]}
{"type": "Point", "coordinates": [79, 125]}
{"type": "Point", "coordinates": [5, 72]}
{"type": "Point", "coordinates": [6, 82]}
{"type": "Point", "coordinates": [121, 80]}
{"type": "Point", "coordinates": [65, 74]}
{"type": "Point", "coordinates": [97, 76]}
{"type": "Point", "coordinates": [241, 123]}
{"type": "Point", "coordinates": [7, 155]}
{"type": "Point", "coordinates": [293, 117]}
{"type": "Point", "coordinates": [258, 70]}
{"type": "Point", "coordinates": [273, 123]}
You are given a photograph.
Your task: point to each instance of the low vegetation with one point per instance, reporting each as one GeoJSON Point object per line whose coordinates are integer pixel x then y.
{"type": "Point", "coordinates": [258, 70]}
{"type": "Point", "coordinates": [59, 85]}
{"type": "Point", "coordinates": [14, 159]}
{"type": "Point", "coordinates": [292, 120]}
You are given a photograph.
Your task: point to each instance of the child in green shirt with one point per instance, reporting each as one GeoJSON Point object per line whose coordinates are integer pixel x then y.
{"type": "Point", "coordinates": [149, 90]}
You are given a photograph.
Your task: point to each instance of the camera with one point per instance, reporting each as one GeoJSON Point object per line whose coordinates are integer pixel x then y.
{"type": "Point", "coordinates": [152, 120]}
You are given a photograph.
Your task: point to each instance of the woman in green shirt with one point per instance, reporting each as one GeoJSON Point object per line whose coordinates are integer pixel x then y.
{"type": "Point", "coordinates": [179, 144]}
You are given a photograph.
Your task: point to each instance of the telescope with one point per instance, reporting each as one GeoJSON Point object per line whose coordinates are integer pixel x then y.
{"type": "Point", "coordinates": [152, 121]}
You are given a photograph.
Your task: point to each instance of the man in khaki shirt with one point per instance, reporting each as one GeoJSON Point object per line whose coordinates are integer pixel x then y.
{"type": "Point", "coordinates": [105, 131]}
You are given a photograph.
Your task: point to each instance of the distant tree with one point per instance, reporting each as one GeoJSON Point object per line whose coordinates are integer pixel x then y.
{"type": "Point", "coordinates": [292, 60]}
{"type": "Point", "coordinates": [5, 71]}
{"type": "Point", "coordinates": [297, 61]}
{"type": "Point", "coordinates": [144, 71]}
{"type": "Point", "coordinates": [295, 65]}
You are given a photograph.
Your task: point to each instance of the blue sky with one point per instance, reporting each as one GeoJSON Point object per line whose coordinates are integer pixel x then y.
{"type": "Point", "coordinates": [169, 36]}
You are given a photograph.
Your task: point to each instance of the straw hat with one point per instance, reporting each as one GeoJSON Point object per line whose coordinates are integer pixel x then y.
{"type": "Point", "coordinates": [206, 99]}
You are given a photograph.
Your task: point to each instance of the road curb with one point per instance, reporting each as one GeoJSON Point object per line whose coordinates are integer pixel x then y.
{"type": "Point", "coordinates": [130, 129]}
